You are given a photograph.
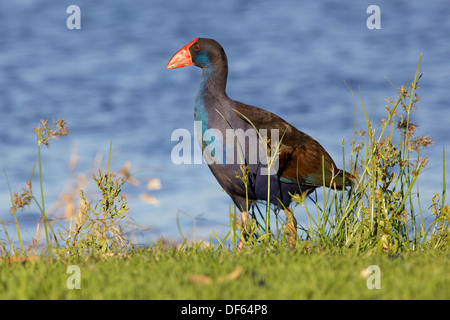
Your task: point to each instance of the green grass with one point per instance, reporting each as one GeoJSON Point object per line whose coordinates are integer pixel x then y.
{"type": "Point", "coordinates": [208, 273]}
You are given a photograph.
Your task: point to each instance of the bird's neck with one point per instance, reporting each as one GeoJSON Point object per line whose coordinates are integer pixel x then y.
{"type": "Point", "coordinates": [210, 97]}
{"type": "Point", "coordinates": [213, 82]}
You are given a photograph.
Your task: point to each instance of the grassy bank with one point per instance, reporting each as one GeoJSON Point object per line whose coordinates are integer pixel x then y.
{"type": "Point", "coordinates": [375, 234]}
{"type": "Point", "coordinates": [278, 273]}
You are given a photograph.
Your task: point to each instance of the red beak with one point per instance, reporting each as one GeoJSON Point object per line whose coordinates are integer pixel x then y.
{"type": "Point", "coordinates": [182, 58]}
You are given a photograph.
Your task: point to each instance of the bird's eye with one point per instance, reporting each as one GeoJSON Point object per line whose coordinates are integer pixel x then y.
{"type": "Point", "coordinates": [196, 47]}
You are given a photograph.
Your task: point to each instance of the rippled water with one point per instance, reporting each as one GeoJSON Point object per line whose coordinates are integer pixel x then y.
{"type": "Point", "coordinates": [108, 80]}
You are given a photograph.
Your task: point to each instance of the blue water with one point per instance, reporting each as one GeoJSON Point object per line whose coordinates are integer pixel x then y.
{"type": "Point", "coordinates": [108, 80]}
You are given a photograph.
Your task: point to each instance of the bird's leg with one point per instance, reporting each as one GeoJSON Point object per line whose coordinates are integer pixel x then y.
{"type": "Point", "coordinates": [291, 227]}
{"type": "Point", "coordinates": [244, 219]}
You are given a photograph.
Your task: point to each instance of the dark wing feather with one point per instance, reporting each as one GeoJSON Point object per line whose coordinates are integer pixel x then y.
{"type": "Point", "coordinates": [300, 156]}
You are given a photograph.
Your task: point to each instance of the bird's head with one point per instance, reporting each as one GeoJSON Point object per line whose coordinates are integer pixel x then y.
{"type": "Point", "coordinates": [201, 52]}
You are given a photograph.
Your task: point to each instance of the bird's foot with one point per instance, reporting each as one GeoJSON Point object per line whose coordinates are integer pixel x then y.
{"type": "Point", "coordinates": [291, 228]}
{"type": "Point", "coordinates": [240, 246]}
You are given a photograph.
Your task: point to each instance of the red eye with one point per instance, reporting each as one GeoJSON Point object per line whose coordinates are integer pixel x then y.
{"type": "Point", "coordinates": [196, 47]}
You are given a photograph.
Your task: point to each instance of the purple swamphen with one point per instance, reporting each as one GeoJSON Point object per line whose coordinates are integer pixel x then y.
{"type": "Point", "coordinates": [302, 164]}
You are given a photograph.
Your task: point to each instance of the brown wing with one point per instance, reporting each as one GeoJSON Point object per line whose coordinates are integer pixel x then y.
{"type": "Point", "coordinates": [300, 155]}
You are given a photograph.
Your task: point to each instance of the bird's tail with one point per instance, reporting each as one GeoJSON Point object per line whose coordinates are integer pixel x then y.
{"type": "Point", "coordinates": [340, 181]}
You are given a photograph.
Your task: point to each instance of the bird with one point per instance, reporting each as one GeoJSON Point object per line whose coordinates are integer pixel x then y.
{"type": "Point", "coordinates": [302, 164]}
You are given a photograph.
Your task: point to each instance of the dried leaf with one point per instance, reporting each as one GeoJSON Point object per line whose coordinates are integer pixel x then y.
{"type": "Point", "coordinates": [154, 184]}
{"type": "Point", "coordinates": [231, 276]}
{"type": "Point", "coordinates": [149, 199]}
{"type": "Point", "coordinates": [200, 279]}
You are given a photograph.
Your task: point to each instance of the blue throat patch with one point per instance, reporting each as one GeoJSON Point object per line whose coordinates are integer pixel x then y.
{"type": "Point", "coordinates": [200, 113]}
